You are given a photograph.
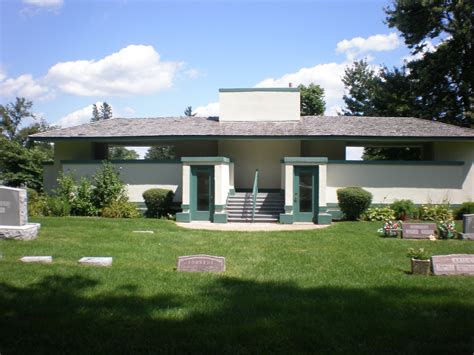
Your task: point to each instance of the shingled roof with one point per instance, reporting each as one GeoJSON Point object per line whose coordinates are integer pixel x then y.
{"type": "Point", "coordinates": [349, 127]}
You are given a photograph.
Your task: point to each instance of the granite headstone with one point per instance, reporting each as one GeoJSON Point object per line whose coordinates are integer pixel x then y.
{"type": "Point", "coordinates": [13, 207]}
{"type": "Point", "coordinates": [201, 263]}
{"type": "Point", "coordinates": [418, 230]}
{"type": "Point", "coordinates": [14, 215]}
{"type": "Point", "coordinates": [453, 264]}
{"type": "Point", "coordinates": [468, 227]}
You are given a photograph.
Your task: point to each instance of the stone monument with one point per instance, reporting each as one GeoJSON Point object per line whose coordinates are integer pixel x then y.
{"type": "Point", "coordinates": [418, 230]}
{"type": "Point", "coordinates": [468, 227]}
{"type": "Point", "coordinates": [14, 215]}
{"type": "Point", "coordinates": [453, 264]}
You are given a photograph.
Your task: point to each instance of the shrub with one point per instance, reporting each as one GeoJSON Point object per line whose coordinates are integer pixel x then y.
{"type": "Point", "coordinates": [56, 206]}
{"type": "Point", "coordinates": [435, 212]}
{"type": "Point", "coordinates": [36, 203]}
{"type": "Point", "coordinates": [108, 186]}
{"type": "Point", "coordinates": [158, 202]}
{"type": "Point", "coordinates": [82, 203]}
{"type": "Point", "coordinates": [66, 186]}
{"type": "Point", "coordinates": [353, 201]}
{"type": "Point", "coordinates": [120, 209]}
{"type": "Point", "coordinates": [404, 209]}
{"type": "Point", "coordinates": [379, 214]}
{"type": "Point", "coordinates": [466, 208]}
{"type": "Point", "coordinates": [419, 254]}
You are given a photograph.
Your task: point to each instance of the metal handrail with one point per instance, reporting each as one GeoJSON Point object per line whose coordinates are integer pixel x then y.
{"type": "Point", "coordinates": [254, 194]}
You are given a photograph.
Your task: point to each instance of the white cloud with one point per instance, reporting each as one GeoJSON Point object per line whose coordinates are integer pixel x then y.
{"type": "Point", "coordinates": [134, 70]}
{"type": "Point", "coordinates": [428, 48]}
{"type": "Point", "coordinates": [24, 86]}
{"type": "Point", "coordinates": [328, 76]}
{"type": "Point", "coordinates": [375, 43]}
{"type": "Point", "coordinates": [209, 110]}
{"type": "Point", "coordinates": [44, 3]}
{"type": "Point", "coordinates": [77, 117]}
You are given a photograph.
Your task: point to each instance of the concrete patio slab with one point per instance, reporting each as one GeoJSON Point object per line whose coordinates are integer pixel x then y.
{"type": "Point", "coordinates": [250, 227]}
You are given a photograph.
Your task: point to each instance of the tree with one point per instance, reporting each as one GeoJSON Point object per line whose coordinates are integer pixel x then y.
{"type": "Point", "coordinates": [21, 160]}
{"type": "Point", "coordinates": [160, 152]}
{"type": "Point", "coordinates": [444, 78]}
{"type": "Point", "coordinates": [386, 93]}
{"type": "Point", "coordinates": [189, 112]}
{"type": "Point", "coordinates": [101, 112]}
{"type": "Point", "coordinates": [312, 100]}
{"type": "Point", "coordinates": [361, 84]}
{"type": "Point", "coordinates": [122, 153]}
{"type": "Point", "coordinates": [13, 114]}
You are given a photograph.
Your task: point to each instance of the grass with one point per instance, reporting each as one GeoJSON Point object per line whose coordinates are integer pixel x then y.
{"type": "Point", "coordinates": [342, 289]}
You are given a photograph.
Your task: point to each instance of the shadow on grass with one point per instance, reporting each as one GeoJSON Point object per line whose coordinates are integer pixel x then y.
{"type": "Point", "coordinates": [231, 316]}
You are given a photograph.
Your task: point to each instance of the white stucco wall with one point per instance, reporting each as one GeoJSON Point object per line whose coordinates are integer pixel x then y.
{"type": "Point", "coordinates": [221, 183]}
{"type": "Point", "coordinates": [265, 155]}
{"type": "Point", "coordinates": [419, 183]}
{"type": "Point", "coordinates": [138, 177]}
{"type": "Point", "coordinates": [257, 105]}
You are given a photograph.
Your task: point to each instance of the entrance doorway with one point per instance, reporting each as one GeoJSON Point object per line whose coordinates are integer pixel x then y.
{"type": "Point", "coordinates": [305, 193]}
{"type": "Point", "coordinates": [202, 193]}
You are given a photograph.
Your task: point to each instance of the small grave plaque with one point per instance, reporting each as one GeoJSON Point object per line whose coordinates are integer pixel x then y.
{"type": "Point", "coordinates": [201, 263]}
{"type": "Point", "coordinates": [37, 259]}
{"type": "Point", "coordinates": [145, 232]}
{"type": "Point", "coordinates": [454, 264]}
{"type": "Point", "coordinates": [468, 227]}
{"type": "Point", "coordinates": [96, 261]}
{"type": "Point", "coordinates": [418, 230]}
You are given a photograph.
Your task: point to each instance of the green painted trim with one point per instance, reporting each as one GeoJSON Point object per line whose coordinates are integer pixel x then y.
{"type": "Point", "coordinates": [306, 216]}
{"type": "Point", "coordinates": [397, 162]}
{"type": "Point", "coordinates": [210, 137]}
{"type": "Point", "coordinates": [220, 217]}
{"type": "Point", "coordinates": [204, 160]}
{"type": "Point", "coordinates": [184, 206]}
{"type": "Point", "coordinates": [305, 160]}
{"type": "Point", "coordinates": [260, 89]}
{"type": "Point", "coordinates": [288, 209]}
{"type": "Point", "coordinates": [183, 217]}
{"type": "Point", "coordinates": [197, 215]}
{"type": "Point", "coordinates": [231, 192]}
{"type": "Point", "coordinates": [219, 209]}
{"type": "Point", "coordinates": [324, 218]}
{"type": "Point", "coordinates": [286, 218]}
{"type": "Point", "coordinates": [48, 163]}
{"type": "Point", "coordinates": [127, 161]}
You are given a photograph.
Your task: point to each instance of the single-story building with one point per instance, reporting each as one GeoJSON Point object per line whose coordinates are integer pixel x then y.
{"type": "Point", "coordinates": [260, 161]}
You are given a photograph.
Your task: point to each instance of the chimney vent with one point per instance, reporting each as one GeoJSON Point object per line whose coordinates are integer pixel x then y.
{"type": "Point", "coordinates": [290, 85]}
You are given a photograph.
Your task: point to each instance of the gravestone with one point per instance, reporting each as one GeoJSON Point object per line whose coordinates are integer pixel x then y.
{"type": "Point", "coordinates": [96, 261]}
{"type": "Point", "coordinates": [37, 259]}
{"type": "Point", "coordinates": [418, 230]}
{"type": "Point", "coordinates": [468, 227]}
{"type": "Point", "coordinates": [454, 264]}
{"type": "Point", "coordinates": [14, 215]}
{"type": "Point", "coordinates": [201, 263]}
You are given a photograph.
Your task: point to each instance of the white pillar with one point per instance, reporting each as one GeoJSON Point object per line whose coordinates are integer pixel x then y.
{"type": "Point", "coordinates": [186, 184]}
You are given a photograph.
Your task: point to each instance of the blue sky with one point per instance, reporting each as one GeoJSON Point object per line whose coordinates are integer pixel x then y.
{"type": "Point", "coordinates": [154, 58]}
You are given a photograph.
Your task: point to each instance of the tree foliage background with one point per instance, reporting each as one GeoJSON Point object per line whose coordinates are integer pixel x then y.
{"type": "Point", "coordinates": [21, 160]}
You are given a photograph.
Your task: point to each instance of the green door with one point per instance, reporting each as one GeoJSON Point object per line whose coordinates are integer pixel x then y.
{"type": "Point", "coordinates": [202, 193]}
{"type": "Point", "coordinates": [305, 193]}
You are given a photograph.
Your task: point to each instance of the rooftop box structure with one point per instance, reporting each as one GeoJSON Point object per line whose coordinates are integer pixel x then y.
{"type": "Point", "coordinates": [260, 104]}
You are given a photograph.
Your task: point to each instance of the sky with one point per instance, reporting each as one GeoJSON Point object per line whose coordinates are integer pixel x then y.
{"type": "Point", "coordinates": [154, 58]}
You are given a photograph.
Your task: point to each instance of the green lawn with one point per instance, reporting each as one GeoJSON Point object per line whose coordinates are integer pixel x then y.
{"type": "Point", "coordinates": [342, 289]}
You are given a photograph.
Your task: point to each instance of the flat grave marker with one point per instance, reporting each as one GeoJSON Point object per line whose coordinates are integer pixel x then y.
{"type": "Point", "coordinates": [37, 259]}
{"type": "Point", "coordinates": [96, 260]}
{"type": "Point", "coordinates": [146, 232]}
{"type": "Point", "coordinates": [418, 230]}
{"type": "Point", "coordinates": [453, 264]}
{"type": "Point", "coordinates": [201, 263]}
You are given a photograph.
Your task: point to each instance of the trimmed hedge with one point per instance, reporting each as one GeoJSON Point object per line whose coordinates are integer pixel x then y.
{"type": "Point", "coordinates": [158, 202]}
{"type": "Point", "coordinates": [353, 201]}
